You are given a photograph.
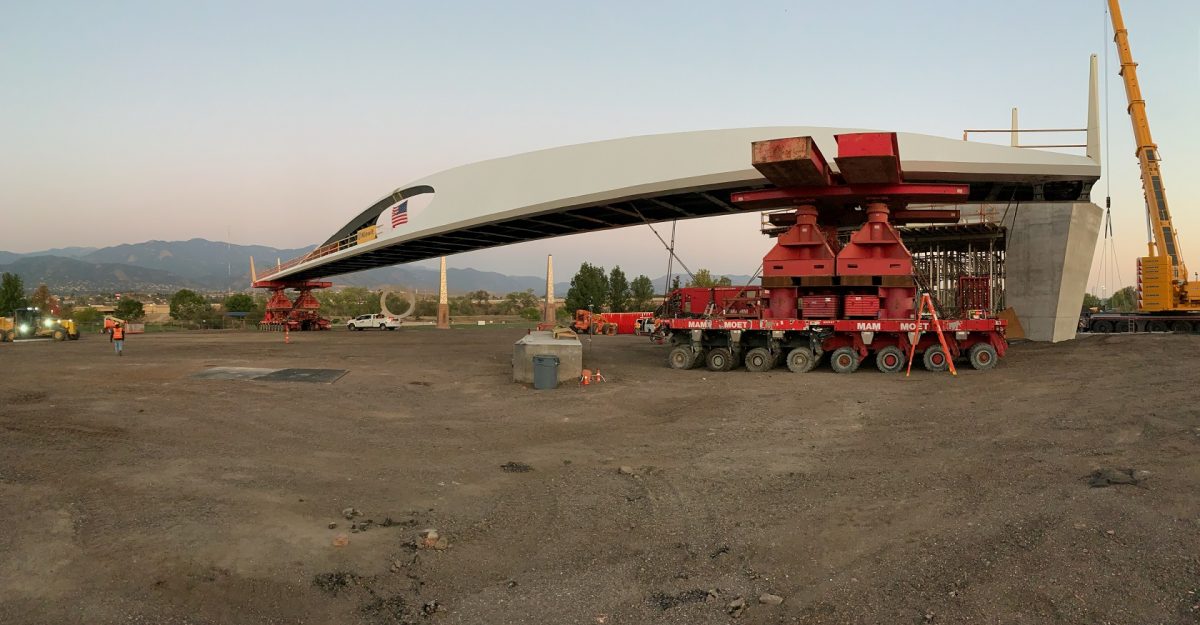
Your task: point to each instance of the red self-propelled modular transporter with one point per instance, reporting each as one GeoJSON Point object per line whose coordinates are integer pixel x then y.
{"type": "Point", "coordinates": [819, 297]}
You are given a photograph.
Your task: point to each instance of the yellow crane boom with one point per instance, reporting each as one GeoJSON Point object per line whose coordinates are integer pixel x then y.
{"type": "Point", "coordinates": [1163, 276]}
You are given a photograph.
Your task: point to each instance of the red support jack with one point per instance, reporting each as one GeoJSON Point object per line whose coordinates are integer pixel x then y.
{"type": "Point", "coordinates": [876, 249]}
{"type": "Point", "coordinates": [816, 299]}
{"type": "Point", "coordinates": [284, 314]}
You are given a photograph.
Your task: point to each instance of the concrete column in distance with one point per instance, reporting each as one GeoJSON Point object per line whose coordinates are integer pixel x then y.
{"type": "Point", "coordinates": [443, 313]}
{"type": "Point", "coordinates": [548, 310]}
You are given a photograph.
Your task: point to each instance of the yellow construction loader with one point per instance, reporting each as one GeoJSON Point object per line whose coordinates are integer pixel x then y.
{"type": "Point", "coordinates": [32, 323]}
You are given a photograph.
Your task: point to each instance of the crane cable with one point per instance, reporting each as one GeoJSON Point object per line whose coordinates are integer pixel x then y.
{"type": "Point", "coordinates": [1109, 258]}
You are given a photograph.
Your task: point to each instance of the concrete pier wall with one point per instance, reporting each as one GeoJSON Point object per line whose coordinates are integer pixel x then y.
{"type": "Point", "coordinates": [1049, 259]}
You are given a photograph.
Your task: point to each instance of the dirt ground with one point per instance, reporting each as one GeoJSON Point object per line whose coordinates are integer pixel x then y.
{"type": "Point", "coordinates": [134, 493]}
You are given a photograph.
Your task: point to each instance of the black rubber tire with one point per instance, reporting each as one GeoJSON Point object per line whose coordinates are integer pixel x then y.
{"type": "Point", "coordinates": [844, 360]}
{"type": "Point", "coordinates": [59, 335]}
{"type": "Point", "coordinates": [983, 356]}
{"type": "Point", "coordinates": [383, 326]}
{"type": "Point", "coordinates": [890, 359]}
{"type": "Point", "coordinates": [11, 336]}
{"type": "Point", "coordinates": [801, 360]}
{"type": "Point", "coordinates": [719, 359]}
{"type": "Point", "coordinates": [1102, 327]}
{"type": "Point", "coordinates": [935, 359]}
{"type": "Point", "coordinates": [1181, 326]}
{"type": "Point", "coordinates": [1156, 326]}
{"type": "Point", "coordinates": [759, 359]}
{"type": "Point", "coordinates": [681, 357]}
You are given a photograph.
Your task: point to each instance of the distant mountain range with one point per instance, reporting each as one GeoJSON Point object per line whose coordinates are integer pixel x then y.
{"type": "Point", "coordinates": [167, 266]}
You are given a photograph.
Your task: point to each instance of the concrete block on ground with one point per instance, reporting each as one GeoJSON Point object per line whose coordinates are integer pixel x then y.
{"type": "Point", "coordinates": [1049, 258]}
{"type": "Point", "coordinates": [569, 352]}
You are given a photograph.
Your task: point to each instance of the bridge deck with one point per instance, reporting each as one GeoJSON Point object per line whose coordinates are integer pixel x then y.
{"type": "Point", "coordinates": [625, 182]}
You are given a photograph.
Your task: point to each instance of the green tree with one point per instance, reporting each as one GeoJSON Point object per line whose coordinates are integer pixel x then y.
{"type": "Point", "coordinates": [1091, 301]}
{"type": "Point", "coordinates": [481, 302]}
{"type": "Point", "coordinates": [518, 301]}
{"type": "Point", "coordinates": [618, 290]}
{"type": "Point", "coordinates": [704, 278]}
{"type": "Point", "coordinates": [1124, 300]}
{"type": "Point", "coordinates": [129, 309]}
{"type": "Point", "coordinates": [675, 283]}
{"type": "Point", "coordinates": [12, 293]}
{"type": "Point", "coordinates": [351, 301]}
{"type": "Point", "coordinates": [87, 315]}
{"type": "Point", "coordinates": [462, 305]}
{"type": "Point", "coordinates": [238, 302]}
{"type": "Point", "coordinates": [398, 304]}
{"type": "Point", "coordinates": [188, 305]}
{"type": "Point", "coordinates": [426, 307]}
{"type": "Point", "coordinates": [589, 289]}
{"type": "Point", "coordinates": [641, 293]}
{"type": "Point", "coordinates": [260, 306]}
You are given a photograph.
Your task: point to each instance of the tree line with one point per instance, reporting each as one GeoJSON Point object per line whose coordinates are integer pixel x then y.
{"type": "Point", "coordinates": [593, 289]}
{"type": "Point", "coordinates": [1124, 300]}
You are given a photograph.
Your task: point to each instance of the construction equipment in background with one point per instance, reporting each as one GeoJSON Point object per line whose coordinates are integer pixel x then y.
{"type": "Point", "coordinates": [32, 323]}
{"type": "Point", "coordinates": [130, 327]}
{"type": "Point", "coordinates": [588, 322]}
{"type": "Point", "coordinates": [854, 299]}
{"type": "Point", "coordinates": [1166, 300]}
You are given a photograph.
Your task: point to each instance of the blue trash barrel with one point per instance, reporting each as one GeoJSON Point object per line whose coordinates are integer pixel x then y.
{"type": "Point", "coordinates": [545, 371]}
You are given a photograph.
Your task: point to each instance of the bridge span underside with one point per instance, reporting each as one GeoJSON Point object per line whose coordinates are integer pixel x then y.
{"type": "Point", "coordinates": [657, 178]}
{"type": "Point", "coordinates": [588, 218]}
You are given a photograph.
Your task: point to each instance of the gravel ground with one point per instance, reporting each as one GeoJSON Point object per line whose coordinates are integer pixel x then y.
{"type": "Point", "coordinates": [134, 493]}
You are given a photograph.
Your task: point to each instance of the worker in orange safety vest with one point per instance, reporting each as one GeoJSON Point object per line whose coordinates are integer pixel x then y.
{"type": "Point", "coordinates": [117, 337]}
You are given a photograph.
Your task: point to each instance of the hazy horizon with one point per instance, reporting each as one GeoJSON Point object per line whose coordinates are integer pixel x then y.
{"type": "Point", "coordinates": [272, 124]}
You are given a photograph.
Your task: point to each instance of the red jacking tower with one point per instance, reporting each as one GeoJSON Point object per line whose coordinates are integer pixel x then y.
{"type": "Point", "coordinates": [301, 314]}
{"type": "Point", "coordinates": [818, 296]}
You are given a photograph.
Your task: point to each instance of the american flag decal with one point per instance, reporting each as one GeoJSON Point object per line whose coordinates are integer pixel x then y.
{"type": "Point", "coordinates": [400, 214]}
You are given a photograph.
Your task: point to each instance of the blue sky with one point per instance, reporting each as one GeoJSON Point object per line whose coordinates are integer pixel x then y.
{"type": "Point", "coordinates": [273, 122]}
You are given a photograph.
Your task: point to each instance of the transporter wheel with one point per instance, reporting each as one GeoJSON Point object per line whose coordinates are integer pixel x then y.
{"type": "Point", "coordinates": [983, 356]}
{"type": "Point", "coordinates": [759, 359]}
{"type": "Point", "coordinates": [801, 360]}
{"type": "Point", "coordinates": [1181, 326]}
{"type": "Point", "coordinates": [681, 357]}
{"type": "Point", "coordinates": [383, 326]}
{"type": "Point", "coordinates": [1102, 327]}
{"type": "Point", "coordinates": [719, 359]}
{"type": "Point", "coordinates": [890, 359]}
{"type": "Point", "coordinates": [1156, 326]}
{"type": "Point", "coordinates": [59, 335]}
{"type": "Point", "coordinates": [844, 360]}
{"type": "Point", "coordinates": [935, 359]}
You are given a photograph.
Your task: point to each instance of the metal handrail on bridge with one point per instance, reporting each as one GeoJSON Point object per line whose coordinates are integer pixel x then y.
{"type": "Point", "coordinates": [1015, 132]}
{"type": "Point", "coordinates": [362, 236]}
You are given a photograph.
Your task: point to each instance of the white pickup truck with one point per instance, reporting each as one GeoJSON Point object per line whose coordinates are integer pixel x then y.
{"type": "Point", "coordinates": [378, 320]}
